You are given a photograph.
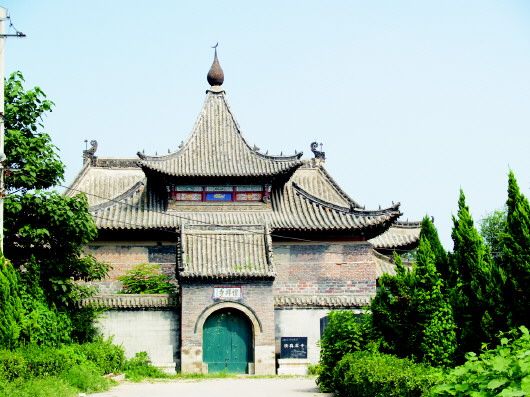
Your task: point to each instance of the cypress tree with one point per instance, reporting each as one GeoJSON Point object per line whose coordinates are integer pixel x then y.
{"type": "Point", "coordinates": [393, 316]}
{"type": "Point", "coordinates": [436, 342]}
{"type": "Point", "coordinates": [11, 311]}
{"type": "Point", "coordinates": [429, 232]}
{"type": "Point", "coordinates": [516, 258]}
{"type": "Point", "coordinates": [476, 285]}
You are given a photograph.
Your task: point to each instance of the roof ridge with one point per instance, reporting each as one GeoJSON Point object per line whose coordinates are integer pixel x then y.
{"type": "Point", "coordinates": [72, 189]}
{"type": "Point", "coordinates": [341, 192]}
{"type": "Point", "coordinates": [350, 210]}
{"type": "Point", "coordinates": [407, 224]}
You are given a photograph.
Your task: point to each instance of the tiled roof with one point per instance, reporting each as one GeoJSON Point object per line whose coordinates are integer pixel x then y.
{"type": "Point", "coordinates": [328, 301]}
{"type": "Point", "coordinates": [383, 264]}
{"type": "Point", "coordinates": [301, 204]}
{"type": "Point", "coordinates": [132, 301]}
{"type": "Point", "coordinates": [400, 235]}
{"type": "Point", "coordinates": [225, 253]}
{"type": "Point", "coordinates": [106, 179]}
{"type": "Point", "coordinates": [216, 147]}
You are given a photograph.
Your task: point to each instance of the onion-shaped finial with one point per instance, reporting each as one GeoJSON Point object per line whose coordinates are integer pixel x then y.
{"type": "Point", "coordinates": [215, 75]}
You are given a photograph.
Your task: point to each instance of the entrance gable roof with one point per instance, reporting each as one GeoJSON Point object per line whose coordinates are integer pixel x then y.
{"type": "Point", "coordinates": [225, 252]}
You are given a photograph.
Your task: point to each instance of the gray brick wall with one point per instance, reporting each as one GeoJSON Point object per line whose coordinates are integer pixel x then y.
{"type": "Point", "coordinates": [346, 268]}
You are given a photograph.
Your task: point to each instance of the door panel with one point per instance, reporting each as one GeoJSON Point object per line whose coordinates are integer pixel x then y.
{"type": "Point", "coordinates": [227, 342]}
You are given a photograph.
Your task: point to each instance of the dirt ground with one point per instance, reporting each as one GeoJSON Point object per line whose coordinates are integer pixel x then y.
{"type": "Point", "coordinates": [225, 387]}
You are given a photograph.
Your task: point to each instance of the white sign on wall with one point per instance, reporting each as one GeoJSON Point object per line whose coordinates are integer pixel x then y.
{"type": "Point", "coordinates": [227, 292]}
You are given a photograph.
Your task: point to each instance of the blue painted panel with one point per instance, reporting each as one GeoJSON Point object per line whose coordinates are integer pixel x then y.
{"type": "Point", "coordinates": [219, 196]}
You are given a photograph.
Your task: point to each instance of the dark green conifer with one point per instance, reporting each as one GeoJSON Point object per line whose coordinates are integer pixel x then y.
{"type": "Point", "coordinates": [393, 316]}
{"type": "Point", "coordinates": [10, 305]}
{"type": "Point", "coordinates": [429, 232]}
{"type": "Point", "coordinates": [516, 258]}
{"type": "Point", "coordinates": [436, 343]}
{"type": "Point", "coordinates": [476, 285]}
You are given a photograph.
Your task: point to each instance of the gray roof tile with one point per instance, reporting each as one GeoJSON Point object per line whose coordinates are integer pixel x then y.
{"type": "Point", "coordinates": [225, 253]}
{"type": "Point", "coordinates": [401, 234]}
{"type": "Point", "coordinates": [216, 147]}
{"type": "Point", "coordinates": [292, 207]}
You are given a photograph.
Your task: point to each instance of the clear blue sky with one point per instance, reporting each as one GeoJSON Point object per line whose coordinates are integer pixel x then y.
{"type": "Point", "coordinates": [412, 100]}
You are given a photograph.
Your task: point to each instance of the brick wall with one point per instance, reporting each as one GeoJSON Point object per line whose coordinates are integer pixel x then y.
{"type": "Point", "coordinates": [329, 268]}
{"type": "Point", "coordinates": [122, 258]}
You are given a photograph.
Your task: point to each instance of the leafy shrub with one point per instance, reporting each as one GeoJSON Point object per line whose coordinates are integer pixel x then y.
{"type": "Point", "coordinates": [45, 361]}
{"type": "Point", "coordinates": [146, 279]}
{"type": "Point", "coordinates": [109, 358]}
{"type": "Point", "coordinates": [59, 371]}
{"type": "Point", "coordinates": [43, 324]}
{"type": "Point", "coordinates": [503, 371]}
{"type": "Point", "coordinates": [12, 365]}
{"type": "Point", "coordinates": [42, 361]}
{"type": "Point", "coordinates": [364, 373]}
{"type": "Point", "coordinates": [86, 378]}
{"type": "Point", "coordinates": [345, 333]}
{"type": "Point", "coordinates": [139, 367]}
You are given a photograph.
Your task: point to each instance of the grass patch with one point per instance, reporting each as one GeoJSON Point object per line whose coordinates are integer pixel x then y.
{"type": "Point", "coordinates": [217, 375]}
{"type": "Point", "coordinates": [51, 386]}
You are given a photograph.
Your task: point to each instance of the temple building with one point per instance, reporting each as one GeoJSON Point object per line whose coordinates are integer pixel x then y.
{"type": "Point", "coordinates": [261, 247]}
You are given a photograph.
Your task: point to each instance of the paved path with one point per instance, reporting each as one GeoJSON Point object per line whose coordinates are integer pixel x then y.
{"type": "Point", "coordinates": [226, 387]}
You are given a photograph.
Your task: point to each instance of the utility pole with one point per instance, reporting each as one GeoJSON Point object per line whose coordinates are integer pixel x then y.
{"type": "Point", "coordinates": [4, 16]}
{"type": "Point", "coordinates": [2, 154]}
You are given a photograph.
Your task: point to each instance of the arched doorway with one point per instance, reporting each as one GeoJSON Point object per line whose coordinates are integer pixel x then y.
{"type": "Point", "coordinates": [227, 341]}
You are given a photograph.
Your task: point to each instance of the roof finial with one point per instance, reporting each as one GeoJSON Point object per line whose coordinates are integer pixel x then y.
{"type": "Point", "coordinates": [215, 75]}
{"type": "Point", "coordinates": [319, 154]}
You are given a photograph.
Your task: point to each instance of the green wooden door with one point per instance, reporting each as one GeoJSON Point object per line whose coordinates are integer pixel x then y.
{"type": "Point", "coordinates": [227, 342]}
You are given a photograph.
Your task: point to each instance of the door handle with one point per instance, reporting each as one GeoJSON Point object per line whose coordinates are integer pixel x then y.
{"type": "Point", "coordinates": [226, 362]}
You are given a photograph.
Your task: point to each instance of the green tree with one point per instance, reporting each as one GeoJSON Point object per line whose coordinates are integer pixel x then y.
{"type": "Point", "coordinates": [475, 291]}
{"type": "Point", "coordinates": [492, 229]}
{"type": "Point", "coordinates": [411, 313]}
{"type": "Point", "coordinates": [44, 232]}
{"type": "Point", "coordinates": [394, 316]}
{"type": "Point", "coordinates": [146, 279]}
{"type": "Point", "coordinates": [11, 311]}
{"type": "Point", "coordinates": [436, 342]}
{"type": "Point", "coordinates": [45, 235]}
{"type": "Point", "coordinates": [516, 254]}
{"type": "Point", "coordinates": [441, 260]}
{"type": "Point", "coordinates": [28, 150]}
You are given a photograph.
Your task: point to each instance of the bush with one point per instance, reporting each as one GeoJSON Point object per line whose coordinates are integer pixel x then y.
{"type": "Point", "coordinates": [12, 365]}
{"type": "Point", "coordinates": [313, 369]}
{"type": "Point", "coordinates": [503, 371]}
{"type": "Point", "coordinates": [51, 371]}
{"type": "Point", "coordinates": [46, 361]}
{"type": "Point", "coordinates": [345, 333]}
{"type": "Point", "coordinates": [109, 358]}
{"type": "Point", "coordinates": [146, 279]}
{"type": "Point", "coordinates": [139, 367]}
{"type": "Point", "coordinates": [86, 378]}
{"type": "Point", "coordinates": [363, 373]}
